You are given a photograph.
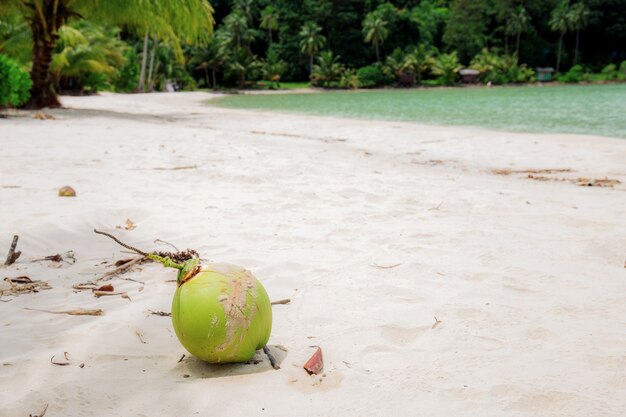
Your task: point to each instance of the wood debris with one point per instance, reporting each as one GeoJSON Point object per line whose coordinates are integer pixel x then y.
{"type": "Point", "coordinates": [283, 301]}
{"type": "Point", "coordinates": [13, 255]}
{"type": "Point", "coordinates": [22, 285]}
{"type": "Point", "coordinates": [160, 313]}
{"type": "Point", "coordinates": [77, 312]}
{"type": "Point", "coordinates": [507, 171]}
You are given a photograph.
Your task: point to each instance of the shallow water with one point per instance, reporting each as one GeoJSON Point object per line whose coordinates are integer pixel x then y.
{"type": "Point", "coordinates": [583, 109]}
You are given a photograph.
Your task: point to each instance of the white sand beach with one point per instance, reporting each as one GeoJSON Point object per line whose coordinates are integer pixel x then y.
{"type": "Point", "coordinates": [372, 228]}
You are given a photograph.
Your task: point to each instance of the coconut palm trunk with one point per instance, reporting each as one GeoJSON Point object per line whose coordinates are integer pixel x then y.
{"type": "Point", "coordinates": [44, 28]}
{"type": "Point", "coordinates": [558, 54]}
{"type": "Point", "coordinates": [377, 51]}
{"type": "Point", "coordinates": [311, 67]}
{"type": "Point", "coordinates": [151, 67]}
{"type": "Point", "coordinates": [144, 60]}
{"type": "Point", "coordinates": [214, 78]}
{"type": "Point", "coordinates": [519, 34]}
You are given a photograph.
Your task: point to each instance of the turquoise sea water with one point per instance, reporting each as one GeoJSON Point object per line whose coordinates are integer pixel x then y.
{"type": "Point", "coordinates": [584, 109]}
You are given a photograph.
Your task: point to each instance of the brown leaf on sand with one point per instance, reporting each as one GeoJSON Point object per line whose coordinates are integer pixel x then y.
{"type": "Point", "coordinates": [139, 334]}
{"type": "Point", "coordinates": [123, 261]}
{"type": "Point", "coordinates": [107, 287]}
{"type": "Point", "coordinates": [21, 280]}
{"type": "Point", "coordinates": [437, 323]}
{"type": "Point", "coordinates": [602, 182]}
{"type": "Point", "coordinates": [67, 191]}
{"type": "Point", "coordinates": [54, 258]}
{"type": "Point", "coordinates": [77, 312]}
{"type": "Point", "coordinates": [130, 225]}
{"type": "Point", "coordinates": [506, 171]}
{"type": "Point", "coordinates": [316, 363]}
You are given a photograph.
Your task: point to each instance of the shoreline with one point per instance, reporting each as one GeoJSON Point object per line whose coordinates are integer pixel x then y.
{"type": "Point", "coordinates": [432, 284]}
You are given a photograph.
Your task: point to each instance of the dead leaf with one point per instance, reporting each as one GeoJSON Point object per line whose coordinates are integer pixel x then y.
{"type": "Point", "coordinates": [130, 225]}
{"type": "Point", "coordinates": [54, 258]}
{"type": "Point", "coordinates": [316, 363]}
{"type": "Point", "coordinates": [43, 116]}
{"type": "Point", "coordinates": [21, 280]}
{"type": "Point", "coordinates": [107, 287]}
{"type": "Point", "coordinates": [123, 261]}
{"type": "Point", "coordinates": [603, 182]}
{"type": "Point", "coordinates": [160, 313]}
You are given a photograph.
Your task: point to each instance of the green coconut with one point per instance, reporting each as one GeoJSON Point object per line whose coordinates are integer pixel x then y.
{"type": "Point", "coordinates": [220, 312]}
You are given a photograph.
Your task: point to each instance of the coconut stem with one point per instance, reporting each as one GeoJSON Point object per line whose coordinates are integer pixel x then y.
{"type": "Point", "coordinates": [167, 262]}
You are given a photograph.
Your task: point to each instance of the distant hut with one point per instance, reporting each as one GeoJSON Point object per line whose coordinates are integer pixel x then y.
{"type": "Point", "coordinates": [406, 79]}
{"type": "Point", "coordinates": [544, 74]}
{"type": "Point", "coordinates": [469, 75]}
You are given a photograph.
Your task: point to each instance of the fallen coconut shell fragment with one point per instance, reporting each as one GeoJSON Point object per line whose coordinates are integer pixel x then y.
{"type": "Point", "coordinates": [67, 191]}
{"type": "Point", "coordinates": [316, 363]}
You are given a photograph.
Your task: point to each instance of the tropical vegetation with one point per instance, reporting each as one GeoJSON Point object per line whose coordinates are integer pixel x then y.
{"type": "Point", "coordinates": [85, 46]}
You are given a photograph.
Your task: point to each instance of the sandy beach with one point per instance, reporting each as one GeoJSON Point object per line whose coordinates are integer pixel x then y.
{"type": "Point", "coordinates": [434, 285]}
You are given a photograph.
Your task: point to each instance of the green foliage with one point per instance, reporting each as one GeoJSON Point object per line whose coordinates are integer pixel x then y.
{"type": "Point", "coordinates": [447, 66]}
{"type": "Point", "coordinates": [501, 69]}
{"type": "Point", "coordinates": [467, 26]}
{"type": "Point", "coordinates": [87, 57]}
{"type": "Point", "coordinates": [128, 75]}
{"type": "Point", "coordinates": [349, 79]}
{"type": "Point", "coordinates": [375, 31]}
{"type": "Point", "coordinates": [429, 18]}
{"type": "Point", "coordinates": [273, 68]}
{"type": "Point", "coordinates": [574, 75]}
{"type": "Point", "coordinates": [15, 83]}
{"type": "Point", "coordinates": [311, 40]}
{"type": "Point", "coordinates": [327, 70]}
{"type": "Point", "coordinates": [372, 76]}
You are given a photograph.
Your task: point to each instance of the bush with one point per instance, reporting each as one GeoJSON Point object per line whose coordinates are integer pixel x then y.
{"type": "Point", "coordinates": [15, 83]}
{"type": "Point", "coordinates": [371, 76]}
{"type": "Point", "coordinates": [574, 75]}
{"type": "Point", "coordinates": [501, 69]}
{"type": "Point", "coordinates": [349, 79]}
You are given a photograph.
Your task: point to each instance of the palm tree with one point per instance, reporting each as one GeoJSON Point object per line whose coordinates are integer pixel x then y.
{"type": "Point", "coordinates": [560, 21]}
{"type": "Point", "coordinates": [191, 20]}
{"type": "Point", "coordinates": [311, 41]}
{"type": "Point", "coordinates": [447, 66]}
{"type": "Point", "coordinates": [213, 57]}
{"type": "Point", "coordinates": [245, 7]}
{"type": "Point", "coordinates": [269, 21]}
{"type": "Point", "coordinates": [236, 24]}
{"type": "Point", "coordinates": [518, 22]}
{"type": "Point", "coordinates": [327, 69]}
{"type": "Point", "coordinates": [579, 17]}
{"type": "Point", "coordinates": [375, 31]}
{"type": "Point", "coordinates": [418, 60]}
